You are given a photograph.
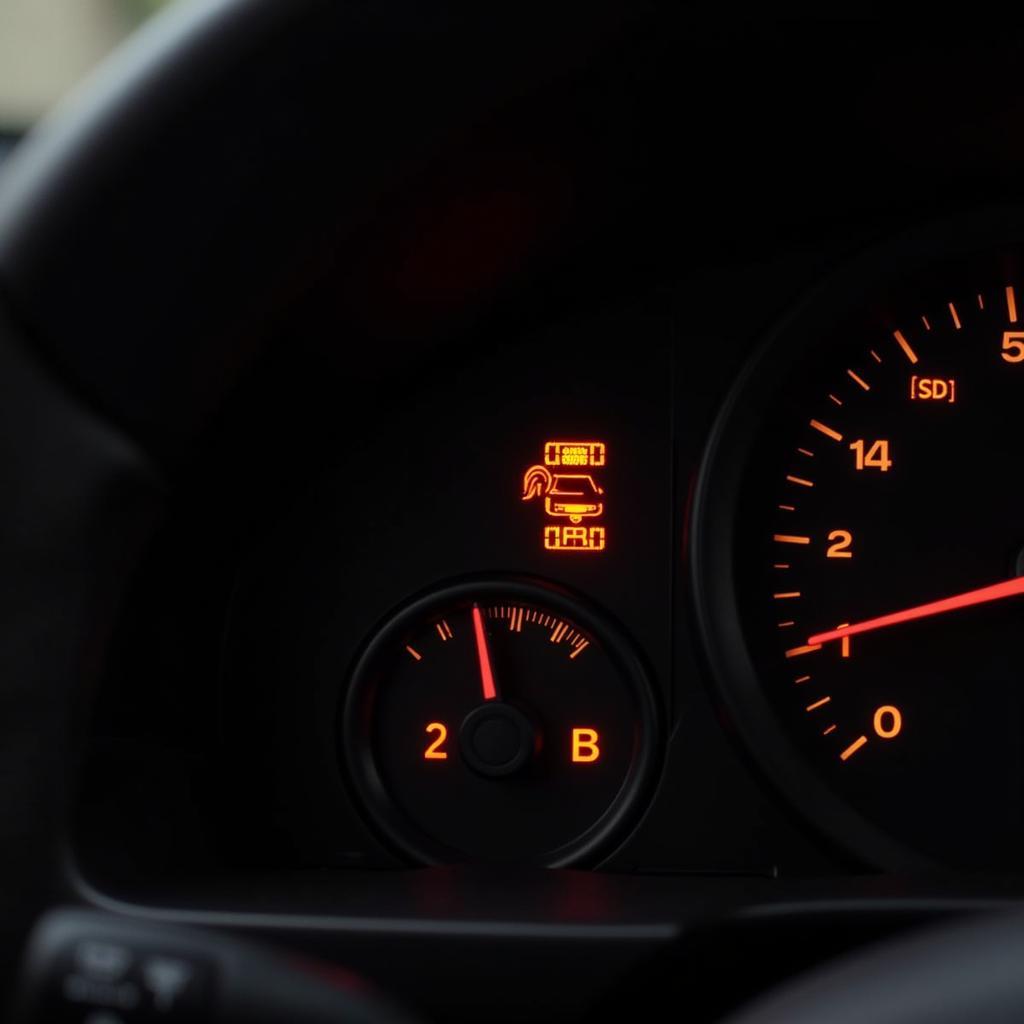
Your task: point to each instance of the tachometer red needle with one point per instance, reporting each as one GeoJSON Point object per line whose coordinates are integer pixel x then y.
{"type": "Point", "coordinates": [1009, 588]}
{"type": "Point", "coordinates": [484, 655]}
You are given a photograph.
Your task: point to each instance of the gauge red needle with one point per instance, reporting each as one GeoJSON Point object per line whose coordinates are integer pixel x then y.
{"type": "Point", "coordinates": [484, 655]}
{"type": "Point", "coordinates": [996, 592]}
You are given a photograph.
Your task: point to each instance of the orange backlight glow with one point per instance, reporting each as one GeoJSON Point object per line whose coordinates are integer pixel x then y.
{"type": "Point", "coordinates": [585, 749]}
{"type": "Point", "coordinates": [932, 389]}
{"type": "Point", "coordinates": [575, 453]}
{"type": "Point", "coordinates": [569, 497]}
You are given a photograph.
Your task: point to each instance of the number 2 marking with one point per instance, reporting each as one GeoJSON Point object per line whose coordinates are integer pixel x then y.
{"type": "Point", "coordinates": [434, 751]}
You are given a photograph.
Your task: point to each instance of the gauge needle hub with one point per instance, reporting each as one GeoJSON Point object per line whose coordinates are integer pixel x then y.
{"type": "Point", "coordinates": [483, 654]}
{"type": "Point", "coordinates": [995, 592]}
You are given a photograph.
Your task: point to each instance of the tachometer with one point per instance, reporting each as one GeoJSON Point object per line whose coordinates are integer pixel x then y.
{"type": "Point", "coordinates": [860, 559]}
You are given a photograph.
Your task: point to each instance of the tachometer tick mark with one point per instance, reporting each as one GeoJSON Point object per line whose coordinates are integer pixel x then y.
{"type": "Point", "coordinates": [905, 345]}
{"type": "Point", "coordinates": [796, 652]}
{"type": "Point", "coordinates": [853, 748]}
{"type": "Point", "coordinates": [827, 431]}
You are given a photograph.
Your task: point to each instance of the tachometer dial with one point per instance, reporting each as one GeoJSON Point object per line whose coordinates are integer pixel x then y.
{"type": "Point", "coordinates": [862, 559]}
{"type": "Point", "coordinates": [499, 721]}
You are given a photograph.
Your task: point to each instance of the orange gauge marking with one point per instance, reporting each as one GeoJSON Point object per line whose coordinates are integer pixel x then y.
{"type": "Point", "coordinates": [844, 644]}
{"type": "Point", "coordinates": [827, 431]}
{"type": "Point", "coordinates": [782, 597]}
{"type": "Point", "coordinates": [831, 729]}
{"type": "Point", "coordinates": [905, 345]}
{"type": "Point", "coordinates": [580, 648]}
{"type": "Point", "coordinates": [802, 679]}
{"type": "Point", "coordinates": [786, 625]}
{"type": "Point", "coordinates": [818, 704]}
{"type": "Point", "coordinates": [859, 380]}
{"type": "Point", "coordinates": [415, 654]}
{"type": "Point", "coordinates": [874, 355]}
{"type": "Point", "coordinates": [888, 722]}
{"type": "Point", "coordinates": [444, 630]}
{"type": "Point", "coordinates": [841, 548]}
{"type": "Point", "coordinates": [834, 399]}
{"type": "Point", "coordinates": [440, 733]}
{"type": "Point", "coordinates": [785, 538]}
{"type": "Point", "coordinates": [796, 652]}
{"type": "Point", "coordinates": [927, 326]}
{"type": "Point", "coordinates": [781, 565]}
{"type": "Point", "coordinates": [981, 302]}
{"type": "Point", "coordinates": [1011, 304]}
{"type": "Point", "coordinates": [804, 451]}
{"type": "Point", "coordinates": [788, 508]}
{"type": "Point", "coordinates": [585, 749]}
{"type": "Point", "coordinates": [853, 748]}
{"type": "Point", "coordinates": [799, 480]}
{"type": "Point", "coordinates": [954, 315]}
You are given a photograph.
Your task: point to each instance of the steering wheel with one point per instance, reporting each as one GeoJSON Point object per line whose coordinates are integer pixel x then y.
{"type": "Point", "coordinates": [148, 231]}
{"type": "Point", "coordinates": [967, 973]}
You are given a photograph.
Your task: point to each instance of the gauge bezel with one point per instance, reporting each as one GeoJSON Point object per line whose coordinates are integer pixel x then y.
{"type": "Point", "coordinates": [364, 779]}
{"type": "Point", "coordinates": [904, 259]}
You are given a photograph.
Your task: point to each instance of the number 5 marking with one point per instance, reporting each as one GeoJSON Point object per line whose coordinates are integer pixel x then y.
{"type": "Point", "coordinates": [1013, 346]}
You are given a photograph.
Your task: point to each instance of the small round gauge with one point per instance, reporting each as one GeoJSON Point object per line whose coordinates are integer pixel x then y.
{"type": "Point", "coordinates": [859, 557]}
{"type": "Point", "coordinates": [499, 721]}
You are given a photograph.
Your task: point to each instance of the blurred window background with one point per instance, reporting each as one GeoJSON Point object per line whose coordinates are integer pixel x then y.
{"type": "Point", "coordinates": [47, 45]}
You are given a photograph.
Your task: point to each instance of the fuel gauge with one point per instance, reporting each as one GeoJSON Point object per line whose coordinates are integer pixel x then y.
{"type": "Point", "coordinates": [499, 721]}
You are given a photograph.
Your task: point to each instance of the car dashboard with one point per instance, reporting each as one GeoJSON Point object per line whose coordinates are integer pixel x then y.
{"type": "Point", "coordinates": [595, 560]}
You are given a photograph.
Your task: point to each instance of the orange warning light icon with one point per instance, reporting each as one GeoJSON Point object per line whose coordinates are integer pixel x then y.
{"type": "Point", "coordinates": [573, 496]}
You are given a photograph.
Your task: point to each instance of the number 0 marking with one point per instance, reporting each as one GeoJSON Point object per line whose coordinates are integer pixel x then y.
{"type": "Point", "coordinates": [888, 722]}
{"type": "Point", "coordinates": [434, 751]}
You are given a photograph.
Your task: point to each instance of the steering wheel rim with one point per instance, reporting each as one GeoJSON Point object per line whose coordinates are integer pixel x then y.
{"type": "Point", "coordinates": [138, 265]}
{"type": "Point", "coordinates": [951, 974]}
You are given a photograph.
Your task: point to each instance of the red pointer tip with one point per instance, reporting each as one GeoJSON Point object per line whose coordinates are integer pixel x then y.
{"type": "Point", "coordinates": [484, 654]}
{"type": "Point", "coordinates": [1009, 588]}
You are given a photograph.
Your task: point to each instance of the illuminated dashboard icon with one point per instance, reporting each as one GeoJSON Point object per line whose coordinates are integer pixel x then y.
{"type": "Point", "coordinates": [575, 453]}
{"type": "Point", "coordinates": [572, 496]}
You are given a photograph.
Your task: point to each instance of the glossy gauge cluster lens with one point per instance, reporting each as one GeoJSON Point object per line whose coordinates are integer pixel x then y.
{"type": "Point", "coordinates": [499, 721]}
{"type": "Point", "coordinates": [871, 559]}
